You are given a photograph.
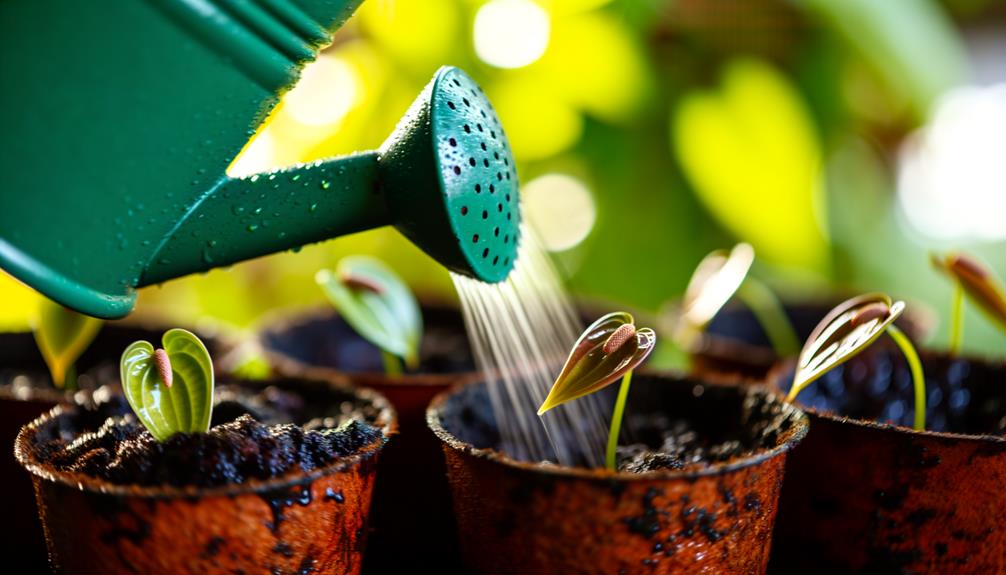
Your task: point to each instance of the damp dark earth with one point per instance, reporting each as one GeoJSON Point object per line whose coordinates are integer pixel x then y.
{"type": "Point", "coordinates": [255, 435]}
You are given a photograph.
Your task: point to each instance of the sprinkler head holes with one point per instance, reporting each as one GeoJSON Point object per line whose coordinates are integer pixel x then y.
{"type": "Point", "coordinates": [475, 179]}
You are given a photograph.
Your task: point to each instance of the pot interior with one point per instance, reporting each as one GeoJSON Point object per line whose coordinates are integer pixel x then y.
{"type": "Point", "coordinates": [963, 395]}
{"type": "Point", "coordinates": [735, 321]}
{"type": "Point", "coordinates": [325, 340]}
{"type": "Point", "coordinates": [751, 421]}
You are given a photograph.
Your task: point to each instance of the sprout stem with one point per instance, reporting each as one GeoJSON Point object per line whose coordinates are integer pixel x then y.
{"type": "Point", "coordinates": [957, 319]}
{"type": "Point", "coordinates": [70, 378]}
{"type": "Point", "coordinates": [616, 420]}
{"type": "Point", "coordinates": [918, 379]}
{"type": "Point", "coordinates": [769, 312]}
{"type": "Point", "coordinates": [392, 364]}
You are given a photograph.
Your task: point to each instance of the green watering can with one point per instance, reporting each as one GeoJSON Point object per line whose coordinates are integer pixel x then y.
{"type": "Point", "coordinates": [120, 117]}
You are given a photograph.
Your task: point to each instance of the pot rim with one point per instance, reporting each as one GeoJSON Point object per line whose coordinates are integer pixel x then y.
{"type": "Point", "coordinates": [783, 366]}
{"type": "Point", "coordinates": [386, 422]}
{"type": "Point", "coordinates": [287, 365]}
{"type": "Point", "coordinates": [793, 438]}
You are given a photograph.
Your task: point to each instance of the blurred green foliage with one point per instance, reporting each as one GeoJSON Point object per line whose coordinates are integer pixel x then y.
{"type": "Point", "coordinates": [694, 124]}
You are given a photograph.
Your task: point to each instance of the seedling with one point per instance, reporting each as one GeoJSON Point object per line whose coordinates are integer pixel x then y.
{"type": "Point", "coordinates": [610, 348]}
{"type": "Point", "coordinates": [974, 279]}
{"type": "Point", "coordinates": [847, 330]}
{"type": "Point", "coordinates": [720, 276]}
{"type": "Point", "coordinates": [171, 388]}
{"type": "Point", "coordinates": [376, 303]}
{"type": "Point", "coordinates": [62, 335]}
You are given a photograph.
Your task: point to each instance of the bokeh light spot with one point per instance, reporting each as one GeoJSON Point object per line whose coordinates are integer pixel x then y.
{"type": "Point", "coordinates": [952, 178]}
{"type": "Point", "coordinates": [560, 208]}
{"type": "Point", "coordinates": [511, 33]}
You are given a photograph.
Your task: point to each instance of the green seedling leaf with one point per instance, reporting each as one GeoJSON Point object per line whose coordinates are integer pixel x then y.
{"type": "Point", "coordinates": [169, 389]}
{"type": "Point", "coordinates": [606, 350]}
{"type": "Point", "coordinates": [377, 304]}
{"type": "Point", "coordinates": [62, 335]}
{"type": "Point", "coordinates": [977, 281]}
{"type": "Point", "coordinates": [845, 331]}
{"type": "Point", "coordinates": [716, 279]}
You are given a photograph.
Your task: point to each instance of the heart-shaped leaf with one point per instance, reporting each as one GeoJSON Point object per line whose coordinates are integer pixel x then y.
{"type": "Point", "coordinates": [716, 279]}
{"type": "Point", "coordinates": [377, 304]}
{"type": "Point", "coordinates": [62, 335]}
{"type": "Point", "coordinates": [169, 389]}
{"type": "Point", "coordinates": [605, 351]}
{"type": "Point", "coordinates": [845, 331]}
{"type": "Point", "coordinates": [978, 281]}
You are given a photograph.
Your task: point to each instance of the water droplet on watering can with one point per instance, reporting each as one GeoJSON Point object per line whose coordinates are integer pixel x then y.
{"type": "Point", "coordinates": [252, 227]}
{"type": "Point", "coordinates": [238, 210]}
{"type": "Point", "coordinates": [295, 177]}
{"type": "Point", "coordinates": [212, 243]}
{"type": "Point", "coordinates": [146, 242]}
{"type": "Point", "coordinates": [207, 256]}
{"type": "Point", "coordinates": [313, 208]}
{"type": "Point", "coordinates": [258, 210]}
{"type": "Point", "coordinates": [325, 184]}
{"type": "Point", "coordinates": [281, 235]}
{"type": "Point", "coordinates": [253, 179]}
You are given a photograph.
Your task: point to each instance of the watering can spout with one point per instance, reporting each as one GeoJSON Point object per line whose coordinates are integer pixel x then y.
{"type": "Point", "coordinates": [445, 178]}
{"type": "Point", "coordinates": [261, 214]}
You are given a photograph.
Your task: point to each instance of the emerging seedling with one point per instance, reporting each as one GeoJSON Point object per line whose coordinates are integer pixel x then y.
{"type": "Point", "coordinates": [376, 303]}
{"type": "Point", "coordinates": [850, 328]}
{"type": "Point", "coordinates": [62, 335]}
{"type": "Point", "coordinates": [610, 348]}
{"type": "Point", "coordinates": [170, 389]}
{"type": "Point", "coordinates": [979, 283]}
{"type": "Point", "coordinates": [720, 276]}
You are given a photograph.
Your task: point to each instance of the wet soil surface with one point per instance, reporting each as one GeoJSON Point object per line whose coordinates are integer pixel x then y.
{"type": "Point", "coordinates": [669, 423]}
{"type": "Point", "coordinates": [328, 341]}
{"type": "Point", "coordinates": [963, 395]}
{"type": "Point", "coordinates": [255, 434]}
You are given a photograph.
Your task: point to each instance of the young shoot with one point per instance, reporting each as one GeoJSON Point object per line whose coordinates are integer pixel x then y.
{"type": "Point", "coordinates": [62, 335]}
{"type": "Point", "coordinates": [974, 279]}
{"type": "Point", "coordinates": [376, 303]}
{"type": "Point", "coordinates": [610, 348]}
{"type": "Point", "coordinates": [720, 276]}
{"type": "Point", "coordinates": [850, 328]}
{"type": "Point", "coordinates": [170, 388]}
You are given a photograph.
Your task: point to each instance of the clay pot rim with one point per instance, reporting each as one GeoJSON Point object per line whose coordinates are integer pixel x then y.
{"type": "Point", "coordinates": [783, 366]}
{"type": "Point", "coordinates": [386, 421]}
{"type": "Point", "coordinates": [792, 438]}
{"type": "Point", "coordinates": [288, 366]}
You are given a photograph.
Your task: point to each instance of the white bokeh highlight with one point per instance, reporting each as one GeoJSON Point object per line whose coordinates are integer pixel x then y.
{"type": "Point", "coordinates": [561, 210]}
{"type": "Point", "coordinates": [511, 33]}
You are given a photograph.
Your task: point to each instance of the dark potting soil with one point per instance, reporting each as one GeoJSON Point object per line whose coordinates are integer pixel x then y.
{"type": "Point", "coordinates": [328, 341]}
{"type": "Point", "coordinates": [963, 395]}
{"type": "Point", "coordinates": [670, 423]}
{"type": "Point", "coordinates": [255, 434]}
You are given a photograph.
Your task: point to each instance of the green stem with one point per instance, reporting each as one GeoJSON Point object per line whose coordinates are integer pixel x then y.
{"type": "Point", "coordinates": [70, 380]}
{"type": "Point", "coordinates": [392, 364]}
{"type": "Point", "coordinates": [915, 364]}
{"type": "Point", "coordinates": [616, 420]}
{"type": "Point", "coordinates": [770, 314]}
{"type": "Point", "coordinates": [957, 319]}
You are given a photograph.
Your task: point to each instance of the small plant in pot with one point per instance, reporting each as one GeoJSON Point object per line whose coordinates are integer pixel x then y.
{"type": "Point", "coordinates": [902, 469]}
{"type": "Point", "coordinates": [378, 335]}
{"type": "Point", "coordinates": [723, 337]}
{"type": "Point", "coordinates": [67, 355]}
{"type": "Point", "coordinates": [692, 474]}
{"type": "Point", "coordinates": [271, 476]}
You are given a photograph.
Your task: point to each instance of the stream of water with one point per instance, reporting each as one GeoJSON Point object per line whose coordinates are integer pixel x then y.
{"type": "Point", "coordinates": [522, 329]}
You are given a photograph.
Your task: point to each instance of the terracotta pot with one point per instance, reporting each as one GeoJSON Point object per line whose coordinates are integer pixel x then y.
{"type": "Point", "coordinates": [313, 522]}
{"type": "Point", "coordinates": [411, 517]}
{"type": "Point", "coordinates": [21, 538]}
{"type": "Point", "coordinates": [518, 517]}
{"type": "Point", "coordinates": [735, 344]}
{"type": "Point", "coordinates": [864, 496]}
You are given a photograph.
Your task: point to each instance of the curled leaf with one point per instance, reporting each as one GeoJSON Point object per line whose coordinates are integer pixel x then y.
{"type": "Point", "coordinates": [978, 281]}
{"type": "Point", "coordinates": [605, 351]}
{"type": "Point", "coordinates": [715, 280]}
{"type": "Point", "coordinates": [169, 389]}
{"type": "Point", "coordinates": [845, 331]}
{"type": "Point", "coordinates": [377, 304]}
{"type": "Point", "coordinates": [62, 335]}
